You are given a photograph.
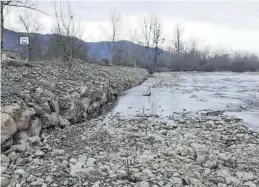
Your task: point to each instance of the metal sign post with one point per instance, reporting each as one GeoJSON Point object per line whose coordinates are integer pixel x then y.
{"type": "Point", "coordinates": [25, 41]}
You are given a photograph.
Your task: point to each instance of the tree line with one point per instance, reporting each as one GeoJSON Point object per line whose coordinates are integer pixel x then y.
{"type": "Point", "coordinates": [147, 52]}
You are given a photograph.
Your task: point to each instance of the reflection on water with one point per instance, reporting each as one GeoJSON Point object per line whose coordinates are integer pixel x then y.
{"type": "Point", "coordinates": [235, 93]}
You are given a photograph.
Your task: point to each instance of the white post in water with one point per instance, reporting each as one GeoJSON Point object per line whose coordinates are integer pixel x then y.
{"type": "Point", "coordinates": [25, 41]}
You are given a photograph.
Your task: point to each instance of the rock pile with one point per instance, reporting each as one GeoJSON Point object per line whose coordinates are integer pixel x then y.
{"type": "Point", "coordinates": [205, 149]}
{"type": "Point", "coordinates": [49, 94]}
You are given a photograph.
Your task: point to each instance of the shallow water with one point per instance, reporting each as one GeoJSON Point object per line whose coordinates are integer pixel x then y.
{"type": "Point", "coordinates": [235, 93]}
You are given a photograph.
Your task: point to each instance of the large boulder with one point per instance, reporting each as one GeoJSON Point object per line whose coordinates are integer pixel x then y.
{"type": "Point", "coordinates": [8, 127]}
{"type": "Point", "coordinates": [25, 119]}
{"type": "Point", "coordinates": [74, 109]}
{"type": "Point", "coordinates": [14, 110]}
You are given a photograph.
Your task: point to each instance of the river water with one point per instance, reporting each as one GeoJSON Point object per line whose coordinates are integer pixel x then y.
{"type": "Point", "coordinates": [234, 93]}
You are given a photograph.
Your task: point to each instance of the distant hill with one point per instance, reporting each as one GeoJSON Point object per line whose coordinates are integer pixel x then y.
{"type": "Point", "coordinates": [11, 42]}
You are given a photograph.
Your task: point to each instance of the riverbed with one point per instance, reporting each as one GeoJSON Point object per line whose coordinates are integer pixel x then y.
{"type": "Point", "coordinates": [236, 94]}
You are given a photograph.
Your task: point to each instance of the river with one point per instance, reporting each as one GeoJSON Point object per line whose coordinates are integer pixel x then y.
{"type": "Point", "coordinates": [234, 93]}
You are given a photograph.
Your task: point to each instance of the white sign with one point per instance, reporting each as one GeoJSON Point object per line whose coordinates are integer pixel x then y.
{"type": "Point", "coordinates": [24, 40]}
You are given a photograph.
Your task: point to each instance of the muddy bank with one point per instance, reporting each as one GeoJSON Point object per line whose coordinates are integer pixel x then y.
{"type": "Point", "coordinates": [51, 94]}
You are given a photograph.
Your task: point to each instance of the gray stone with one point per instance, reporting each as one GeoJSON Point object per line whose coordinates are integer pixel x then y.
{"type": "Point", "coordinates": [54, 106]}
{"type": "Point", "coordinates": [19, 147]}
{"type": "Point", "coordinates": [49, 120]}
{"type": "Point", "coordinates": [35, 127]}
{"type": "Point", "coordinates": [14, 110]}
{"type": "Point", "coordinates": [25, 119]}
{"type": "Point", "coordinates": [39, 153]}
{"type": "Point", "coordinates": [12, 156]}
{"type": "Point", "coordinates": [37, 183]}
{"type": "Point", "coordinates": [19, 172]}
{"type": "Point", "coordinates": [85, 104]}
{"type": "Point", "coordinates": [8, 127]}
{"type": "Point", "coordinates": [54, 119]}
{"type": "Point", "coordinates": [72, 160]}
{"type": "Point", "coordinates": [31, 178]}
{"type": "Point", "coordinates": [250, 184]}
{"type": "Point", "coordinates": [4, 182]}
{"type": "Point", "coordinates": [45, 107]}
{"type": "Point", "coordinates": [63, 122]}
{"type": "Point", "coordinates": [3, 169]}
{"type": "Point", "coordinates": [8, 143]}
{"type": "Point", "coordinates": [142, 184]}
{"type": "Point", "coordinates": [65, 102]}
{"type": "Point", "coordinates": [71, 113]}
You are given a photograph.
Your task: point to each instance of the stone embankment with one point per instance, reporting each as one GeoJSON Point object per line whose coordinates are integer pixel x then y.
{"type": "Point", "coordinates": [51, 94]}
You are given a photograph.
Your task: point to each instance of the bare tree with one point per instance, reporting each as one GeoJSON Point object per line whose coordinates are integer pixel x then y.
{"type": "Point", "coordinates": [151, 35]}
{"type": "Point", "coordinates": [15, 3]}
{"type": "Point", "coordinates": [178, 39]}
{"type": "Point", "coordinates": [146, 31]}
{"type": "Point", "coordinates": [115, 28]}
{"type": "Point", "coordinates": [68, 32]}
{"type": "Point", "coordinates": [157, 37]}
{"type": "Point", "coordinates": [31, 26]}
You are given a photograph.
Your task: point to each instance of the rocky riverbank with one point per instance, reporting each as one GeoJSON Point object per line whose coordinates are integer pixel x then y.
{"type": "Point", "coordinates": [52, 94]}
{"type": "Point", "coordinates": [201, 149]}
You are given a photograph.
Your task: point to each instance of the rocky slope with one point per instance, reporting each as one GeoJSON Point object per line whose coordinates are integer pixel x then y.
{"type": "Point", "coordinates": [52, 94]}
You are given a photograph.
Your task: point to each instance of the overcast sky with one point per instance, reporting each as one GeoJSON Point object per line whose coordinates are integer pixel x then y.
{"type": "Point", "coordinates": [220, 25]}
